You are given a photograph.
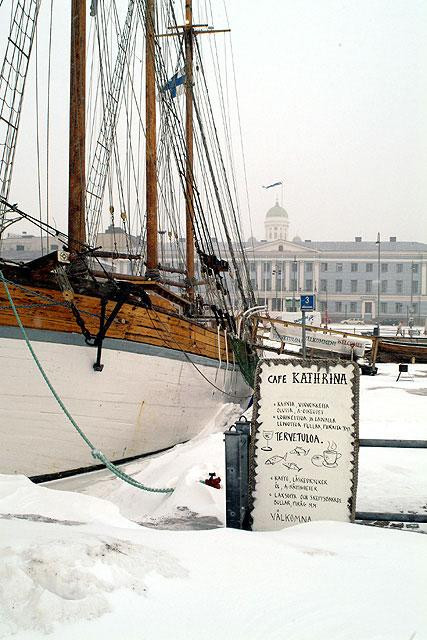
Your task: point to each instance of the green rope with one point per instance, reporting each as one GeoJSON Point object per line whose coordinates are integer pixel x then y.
{"type": "Point", "coordinates": [96, 453]}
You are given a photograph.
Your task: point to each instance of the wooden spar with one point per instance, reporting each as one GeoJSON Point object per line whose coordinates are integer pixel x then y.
{"type": "Point", "coordinates": [152, 271]}
{"type": "Point", "coordinates": [189, 194]}
{"type": "Point", "coordinates": [76, 165]}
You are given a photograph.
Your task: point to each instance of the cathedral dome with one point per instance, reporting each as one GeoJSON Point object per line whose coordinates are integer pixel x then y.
{"type": "Point", "coordinates": [276, 212]}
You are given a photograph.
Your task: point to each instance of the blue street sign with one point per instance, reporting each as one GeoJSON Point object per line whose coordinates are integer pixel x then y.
{"type": "Point", "coordinates": [307, 303]}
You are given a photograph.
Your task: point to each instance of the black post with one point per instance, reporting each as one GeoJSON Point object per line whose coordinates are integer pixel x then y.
{"type": "Point", "coordinates": [378, 242]}
{"type": "Point", "coordinates": [97, 365]}
{"type": "Point", "coordinates": [304, 341]}
{"type": "Point", "coordinates": [237, 440]}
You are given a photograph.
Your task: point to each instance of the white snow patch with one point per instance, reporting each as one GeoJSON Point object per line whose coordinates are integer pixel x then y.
{"type": "Point", "coordinates": [18, 495]}
{"type": "Point", "coordinates": [66, 577]}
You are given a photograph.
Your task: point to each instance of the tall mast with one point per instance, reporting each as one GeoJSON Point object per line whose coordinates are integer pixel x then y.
{"type": "Point", "coordinates": [189, 195]}
{"type": "Point", "coordinates": [152, 270]}
{"type": "Point", "coordinates": [76, 164]}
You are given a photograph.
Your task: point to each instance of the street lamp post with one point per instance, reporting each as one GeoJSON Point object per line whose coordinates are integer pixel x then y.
{"type": "Point", "coordinates": [326, 305]}
{"type": "Point", "coordinates": [294, 282]}
{"type": "Point", "coordinates": [411, 307]}
{"type": "Point", "coordinates": [378, 243]}
{"type": "Point", "coordinates": [279, 275]}
{"type": "Point", "coordinates": [277, 272]}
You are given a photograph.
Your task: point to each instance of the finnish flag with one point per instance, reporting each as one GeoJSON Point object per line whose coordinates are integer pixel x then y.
{"type": "Point", "coordinates": [175, 86]}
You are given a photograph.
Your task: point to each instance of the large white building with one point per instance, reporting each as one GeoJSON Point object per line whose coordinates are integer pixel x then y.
{"type": "Point", "coordinates": [343, 275]}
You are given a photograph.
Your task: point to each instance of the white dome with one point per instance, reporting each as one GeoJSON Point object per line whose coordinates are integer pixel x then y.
{"type": "Point", "coordinates": [276, 212]}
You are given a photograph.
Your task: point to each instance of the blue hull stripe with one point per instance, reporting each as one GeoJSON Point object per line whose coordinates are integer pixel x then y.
{"type": "Point", "coordinates": [76, 339]}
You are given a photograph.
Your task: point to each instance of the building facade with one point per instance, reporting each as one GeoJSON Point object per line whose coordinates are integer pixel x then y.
{"type": "Point", "coordinates": [357, 279]}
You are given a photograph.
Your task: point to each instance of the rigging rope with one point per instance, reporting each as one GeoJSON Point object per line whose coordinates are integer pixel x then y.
{"type": "Point", "coordinates": [49, 73]}
{"type": "Point", "coordinates": [13, 74]}
{"type": "Point", "coordinates": [96, 453]}
{"type": "Point", "coordinates": [176, 346]}
{"type": "Point", "coordinates": [39, 188]}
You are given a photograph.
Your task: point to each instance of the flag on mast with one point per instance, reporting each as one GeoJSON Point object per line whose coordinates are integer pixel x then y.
{"type": "Point", "coordinates": [275, 184]}
{"type": "Point", "coordinates": [175, 85]}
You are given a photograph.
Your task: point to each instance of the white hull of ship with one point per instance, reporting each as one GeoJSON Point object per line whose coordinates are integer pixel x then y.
{"type": "Point", "coordinates": [139, 403]}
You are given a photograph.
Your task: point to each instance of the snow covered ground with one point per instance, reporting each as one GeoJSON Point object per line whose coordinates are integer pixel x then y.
{"type": "Point", "coordinates": [76, 562]}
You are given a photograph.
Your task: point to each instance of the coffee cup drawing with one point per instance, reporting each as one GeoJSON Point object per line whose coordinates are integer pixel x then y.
{"type": "Point", "coordinates": [328, 458]}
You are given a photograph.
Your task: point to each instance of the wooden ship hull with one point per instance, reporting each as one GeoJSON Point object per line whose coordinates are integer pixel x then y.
{"type": "Point", "coordinates": [163, 379]}
{"type": "Point", "coordinates": [392, 351]}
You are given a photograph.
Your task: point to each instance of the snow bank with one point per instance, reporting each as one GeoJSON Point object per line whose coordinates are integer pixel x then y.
{"type": "Point", "coordinates": [67, 576]}
{"type": "Point", "coordinates": [18, 496]}
{"type": "Point", "coordinates": [320, 580]}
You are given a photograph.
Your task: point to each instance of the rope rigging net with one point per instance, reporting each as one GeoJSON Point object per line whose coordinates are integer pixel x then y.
{"type": "Point", "coordinates": [115, 203]}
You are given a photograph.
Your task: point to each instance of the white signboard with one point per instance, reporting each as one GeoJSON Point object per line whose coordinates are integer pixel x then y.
{"type": "Point", "coordinates": [304, 443]}
{"type": "Point", "coordinates": [319, 340]}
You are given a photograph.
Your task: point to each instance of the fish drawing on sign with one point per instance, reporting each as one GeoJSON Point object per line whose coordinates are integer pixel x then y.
{"type": "Point", "coordinates": [275, 459]}
{"type": "Point", "coordinates": [299, 451]}
{"type": "Point", "coordinates": [292, 465]}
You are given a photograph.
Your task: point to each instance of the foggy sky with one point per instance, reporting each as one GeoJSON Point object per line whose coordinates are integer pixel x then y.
{"type": "Point", "coordinates": [333, 98]}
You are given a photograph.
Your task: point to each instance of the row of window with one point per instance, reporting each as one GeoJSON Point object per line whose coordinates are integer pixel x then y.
{"type": "Point", "coordinates": [266, 285]}
{"type": "Point", "coordinates": [22, 247]}
{"type": "Point", "coordinates": [355, 267]}
{"type": "Point", "coordinates": [368, 286]}
{"type": "Point", "coordinates": [369, 267]}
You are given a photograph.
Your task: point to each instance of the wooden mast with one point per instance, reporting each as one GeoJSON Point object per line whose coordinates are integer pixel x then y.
{"type": "Point", "coordinates": [152, 270]}
{"type": "Point", "coordinates": [189, 194]}
{"type": "Point", "coordinates": [189, 32]}
{"type": "Point", "coordinates": [76, 164]}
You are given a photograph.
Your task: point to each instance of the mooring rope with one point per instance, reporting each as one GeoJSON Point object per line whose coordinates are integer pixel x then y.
{"type": "Point", "coordinates": [96, 453]}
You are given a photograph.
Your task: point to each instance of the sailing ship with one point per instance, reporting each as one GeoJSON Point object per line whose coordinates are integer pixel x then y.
{"type": "Point", "coordinates": [140, 360]}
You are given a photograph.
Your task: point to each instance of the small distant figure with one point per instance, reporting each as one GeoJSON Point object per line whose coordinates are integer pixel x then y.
{"type": "Point", "coordinates": [411, 322]}
{"type": "Point", "coordinates": [399, 331]}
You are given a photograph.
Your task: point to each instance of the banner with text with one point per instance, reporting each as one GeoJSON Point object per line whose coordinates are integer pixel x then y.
{"type": "Point", "coordinates": [319, 340]}
{"type": "Point", "coordinates": [304, 448]}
